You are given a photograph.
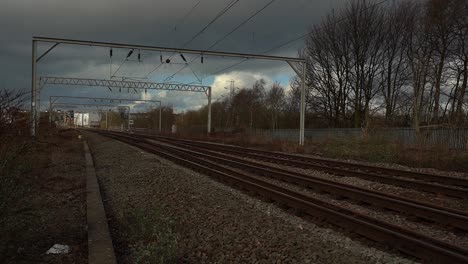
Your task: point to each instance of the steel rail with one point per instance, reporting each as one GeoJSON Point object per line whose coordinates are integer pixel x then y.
{"type": "Point", "coordinates": [336, 170]}
{"type": "Point", "coordinates": [406, 206]}
{"type": "Point", "coordinates": [407, 241]}
{"type": "Point", "coordinates": [390, 171]}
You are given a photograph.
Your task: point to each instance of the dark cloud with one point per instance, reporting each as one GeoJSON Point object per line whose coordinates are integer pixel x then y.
{"type": "Point", "coordinates": [148, 22]}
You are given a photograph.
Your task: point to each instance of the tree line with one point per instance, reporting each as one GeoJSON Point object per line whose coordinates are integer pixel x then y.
{"type": "Point", "coordinates": [401, 63]}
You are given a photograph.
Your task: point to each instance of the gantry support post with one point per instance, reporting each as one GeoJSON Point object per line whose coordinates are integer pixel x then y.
{"type": "Point", "coordinates": [38, 103]}
{"type": "Point", "coordinates": [33, 89]}
{"type": "Point", "coordinates": [160, 116]}
{"type": "Point", "coordinates": [302, 115]}
{"type": "Point", "coordinates": [141, 85]}
{"type": "Point", "coordinates": [209, 110]}
{"type": "Point", "coordinates": [128, 119]}
{"type": "Point", "coordinates": [50, 110]}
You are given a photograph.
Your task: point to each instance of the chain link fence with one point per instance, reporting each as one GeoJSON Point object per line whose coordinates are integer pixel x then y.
{"type": "Point", "coordinates": [454, 138]}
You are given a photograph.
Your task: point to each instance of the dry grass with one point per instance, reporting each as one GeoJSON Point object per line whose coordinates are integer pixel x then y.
{"type": "Point", "coordinates": [40, 204]}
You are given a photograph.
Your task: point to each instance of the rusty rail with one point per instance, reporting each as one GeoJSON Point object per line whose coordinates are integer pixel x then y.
{"type": "Point", "coordinates": [378, 174]}
{"type": "Point", "coordinates": [408, 241]}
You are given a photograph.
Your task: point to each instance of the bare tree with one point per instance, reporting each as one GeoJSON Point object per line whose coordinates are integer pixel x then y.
{"type": "Point", "coordinates": [395, 72]}
{"type": "Point", "coordinates": [419, 57]}
{"type": "Point", "coordinates": [328, 75]}
{"type": "Point", "coordinates": [274, 103]}
{"type": "Point", "coordinates": [441, 15]}
{"type": "Point", "coordinates": [366, 35]}
{"type": "Point", "coordinates": [461, 56]}
{"type": "Point", "coordinates": [256, 99]}
{"type": "Point", "coordinates": [11, 101]}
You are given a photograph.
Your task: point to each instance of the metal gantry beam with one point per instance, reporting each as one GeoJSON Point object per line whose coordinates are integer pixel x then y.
{"type": "Point", "coordinates": [166, 49]}
{"type": "Point", "coordinates": [122, 84]}
{"type": "Point", "coordinates": [137, 85]}
{"type": "Point", "coordinates": [131, 85]}
{"type": "Point", "coordinates": [51, 101]}
{"type": "Point", "coordinates": [82, 104]}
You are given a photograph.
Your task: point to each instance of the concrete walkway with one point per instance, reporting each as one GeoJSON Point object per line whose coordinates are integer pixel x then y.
{"type": "Point", "coordinates": [100, 249]}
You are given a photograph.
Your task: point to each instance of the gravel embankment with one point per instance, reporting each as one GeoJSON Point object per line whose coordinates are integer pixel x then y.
{"type": "Point", "coordinates": [212, 223]}
{"type": "Point", "coordinates": [441, 200]}
{"type": "Point", "coordinates": [462, 175]}
{"type": "Point", "coordinates": [432, 230]}
{"type": "Point", "coordinates": [408, 222]}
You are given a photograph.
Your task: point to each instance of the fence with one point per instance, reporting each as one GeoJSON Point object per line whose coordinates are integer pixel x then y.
{"type": "Point", "coordinates": [454, 138]}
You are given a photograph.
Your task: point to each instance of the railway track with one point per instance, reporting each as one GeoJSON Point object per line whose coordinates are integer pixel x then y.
{"type": "Point", "coordinates": [410, 242]}
{"type": "Point", "coordinates": [445, 185]}
{"type": "Point", "coordinates": [427, 211]}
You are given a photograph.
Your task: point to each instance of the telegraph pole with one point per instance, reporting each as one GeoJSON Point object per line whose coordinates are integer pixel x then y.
{"type": "Point", "coordinates": [232, 89]}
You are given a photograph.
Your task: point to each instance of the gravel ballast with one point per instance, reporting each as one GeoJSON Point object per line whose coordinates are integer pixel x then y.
{"type": "Point", "coordinates": [207, 221]}
{"type": "Point", "coordinates": [440, 200]}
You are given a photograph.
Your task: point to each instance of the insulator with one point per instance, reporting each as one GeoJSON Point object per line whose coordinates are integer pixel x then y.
{"type": "Point", "coordinates": [139, 56]}
{"type": "Point", "coordinates": [160, 57]}
{"type": "Point", "coordinates": [129, 53]}
{"type": "Point", "coordinates": [110, 52]}
{"type": "Point", "coordinates": [202, 59]}
{"type": "Point", "coordinates": [145, 91]}
{"type": "Point", "coordinates": [182, 56]}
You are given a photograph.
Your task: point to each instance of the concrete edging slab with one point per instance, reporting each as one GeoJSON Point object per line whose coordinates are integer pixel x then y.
{"type": "Point", "coordinates": [100, 248]}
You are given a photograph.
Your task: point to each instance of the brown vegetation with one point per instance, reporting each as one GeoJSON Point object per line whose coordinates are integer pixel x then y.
{"type": "Point", "coordinates": [42, 198]}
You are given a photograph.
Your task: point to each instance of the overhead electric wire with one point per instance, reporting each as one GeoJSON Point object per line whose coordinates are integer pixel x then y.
{"type": "Point", "coordinates": [306, 34]}
{"type": "Point", "coordinates": [224, 37]}
{"type": "Point", "coordinates": [287, 42]}
{"type": "Point", "coordinates": [219, 15]}
{"type": "Point", "coordinates": [118, 68]}
{"type": "Point", "coordinates": [186, 15]}
{"type": "Point", "coordinates": [241, 24]}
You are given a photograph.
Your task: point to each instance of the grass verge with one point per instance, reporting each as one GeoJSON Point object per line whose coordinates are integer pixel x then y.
{"type": "Point", "coordinates": [373, 148]}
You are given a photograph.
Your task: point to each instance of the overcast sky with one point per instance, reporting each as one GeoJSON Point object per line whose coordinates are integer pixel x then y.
{"type": "Point", "coordinates": [169, 23]}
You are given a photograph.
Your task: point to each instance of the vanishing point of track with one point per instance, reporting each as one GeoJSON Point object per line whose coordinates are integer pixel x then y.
{"type": "Point", "coordinates": [405, 240]}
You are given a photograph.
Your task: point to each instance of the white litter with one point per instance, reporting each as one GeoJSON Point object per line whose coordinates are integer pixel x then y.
{"type": "Point", "coordinates": [58, 249]}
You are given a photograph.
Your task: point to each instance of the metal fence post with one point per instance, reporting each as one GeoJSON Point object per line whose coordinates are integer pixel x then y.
{"type": "Point", "coordinates": [33, 89]}
{"type": "Point", "coordinates": [160, 116]}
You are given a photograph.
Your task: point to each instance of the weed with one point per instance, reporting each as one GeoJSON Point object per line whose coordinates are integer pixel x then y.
{"type": "Point", "coordinates": [12, 191]}
{"type": "Point", "coordinates": [152, 237]}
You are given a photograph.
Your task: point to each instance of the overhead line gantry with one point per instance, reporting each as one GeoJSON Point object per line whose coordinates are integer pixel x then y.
{"type": "Point", "coordinates": [54, 98]}
{"type": "Point", "coordinates": [297, 64]}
